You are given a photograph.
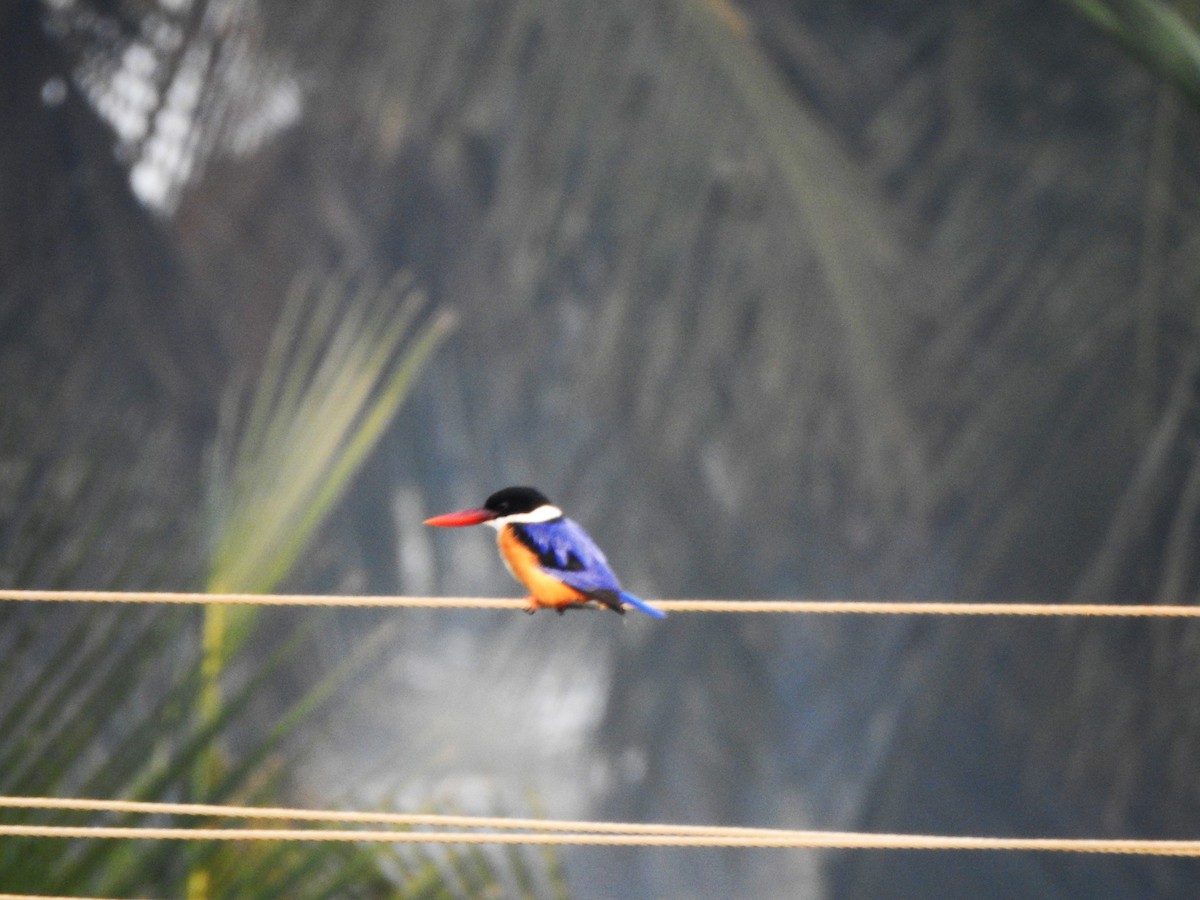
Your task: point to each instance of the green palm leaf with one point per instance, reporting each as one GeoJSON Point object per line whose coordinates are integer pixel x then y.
{"type": "Point", "coordinates": [1155, 32]}
{"type": "Point", "coordinates": [124, 702]}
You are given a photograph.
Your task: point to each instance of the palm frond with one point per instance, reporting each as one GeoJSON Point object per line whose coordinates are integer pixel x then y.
{"type": "Point", "coordinates": [842, 221]}
{"type": "Point", "coordinates": [337, 371]}
{"type": "Point", "coordinates": [1156, 33]}
{"type": "Point", "coordinates": [103, 701]}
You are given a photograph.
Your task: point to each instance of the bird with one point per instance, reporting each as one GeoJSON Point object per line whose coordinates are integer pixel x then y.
{"type": "Point", "coordinates": [547, 552]}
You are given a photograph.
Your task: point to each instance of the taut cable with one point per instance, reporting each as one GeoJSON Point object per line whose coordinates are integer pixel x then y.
{"type": "Point", "coordinates": [537, 831]}
{"type": "Point", "coordinates": [818, 607]}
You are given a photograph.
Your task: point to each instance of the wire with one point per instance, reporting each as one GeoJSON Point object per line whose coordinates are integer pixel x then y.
{"type": "Point", "coordinates": [844, 840]}
{"type": "Point", "coordinates": [377, 818]}
{"type": "Point", "coordinates": [540, 831]}
{"type": "Point", "coordinates": [826, 607]}
{"type": "Point", "coordinates": [552, 832]}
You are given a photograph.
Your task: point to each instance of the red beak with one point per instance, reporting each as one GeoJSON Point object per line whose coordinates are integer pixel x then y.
{"type": "Point", "coordinates": [458, 519]}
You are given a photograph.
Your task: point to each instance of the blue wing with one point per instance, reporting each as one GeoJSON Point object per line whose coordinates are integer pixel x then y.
{"type": "Point", "coordinates": [567, 552]}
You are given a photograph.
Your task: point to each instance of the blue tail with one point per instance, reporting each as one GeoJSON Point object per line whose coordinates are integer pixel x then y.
{"type": "Point", "coordinates": [639, 603]}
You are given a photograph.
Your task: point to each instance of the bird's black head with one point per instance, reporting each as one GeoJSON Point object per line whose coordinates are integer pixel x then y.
{"type": "Point", "coordinates": [515, 500]}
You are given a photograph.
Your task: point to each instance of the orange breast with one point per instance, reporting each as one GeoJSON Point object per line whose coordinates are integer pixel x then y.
{"type": "Point", "coordinates": [523, 564]}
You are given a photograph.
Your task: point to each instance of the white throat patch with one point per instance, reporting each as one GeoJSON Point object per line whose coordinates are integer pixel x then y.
{"type": "Point", "coordinates": [544, 513]}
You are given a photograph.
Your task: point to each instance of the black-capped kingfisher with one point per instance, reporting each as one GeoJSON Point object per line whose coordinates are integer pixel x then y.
{"type": "Point", "coordinates": [548, 553]}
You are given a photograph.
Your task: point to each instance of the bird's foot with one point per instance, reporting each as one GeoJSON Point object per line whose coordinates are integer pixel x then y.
{"type": "Point", "coordinates": [533, 604]}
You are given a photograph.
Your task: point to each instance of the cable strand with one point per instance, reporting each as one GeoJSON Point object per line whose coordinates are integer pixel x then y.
{"type": "Point", "coordinates": [535, 831]}
{"type": "Point", "coordinates": [795, 840]}
{"type": "Point", "coordinates": [818, 607]}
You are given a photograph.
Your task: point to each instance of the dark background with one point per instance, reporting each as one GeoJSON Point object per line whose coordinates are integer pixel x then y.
{"type": "Point", "coordinates": [868, 299]}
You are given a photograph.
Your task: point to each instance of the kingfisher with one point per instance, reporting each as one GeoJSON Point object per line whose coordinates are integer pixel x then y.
{"type": "Point", "coordinates": [547, 552]}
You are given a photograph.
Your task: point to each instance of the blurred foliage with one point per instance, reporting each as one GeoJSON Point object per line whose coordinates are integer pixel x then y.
{"type": "Point", "coordinates": [1161, 34]}
{"type": "Point", "coordinates": [842, 222]}
{"type": "Point", "coordinates": [335, 373]}
{"type": "Point", "coordinates": [868, 299]}
{"type": "Point", "coordinates": [113, 702]}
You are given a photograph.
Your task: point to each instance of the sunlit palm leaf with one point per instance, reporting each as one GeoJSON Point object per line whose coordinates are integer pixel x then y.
{"type": "Point", "coordinates": [336, 372]}
{"type": "Point", "coordinates": [101, 701]}
{"type": "Point", "coordinates": [312, 422]}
